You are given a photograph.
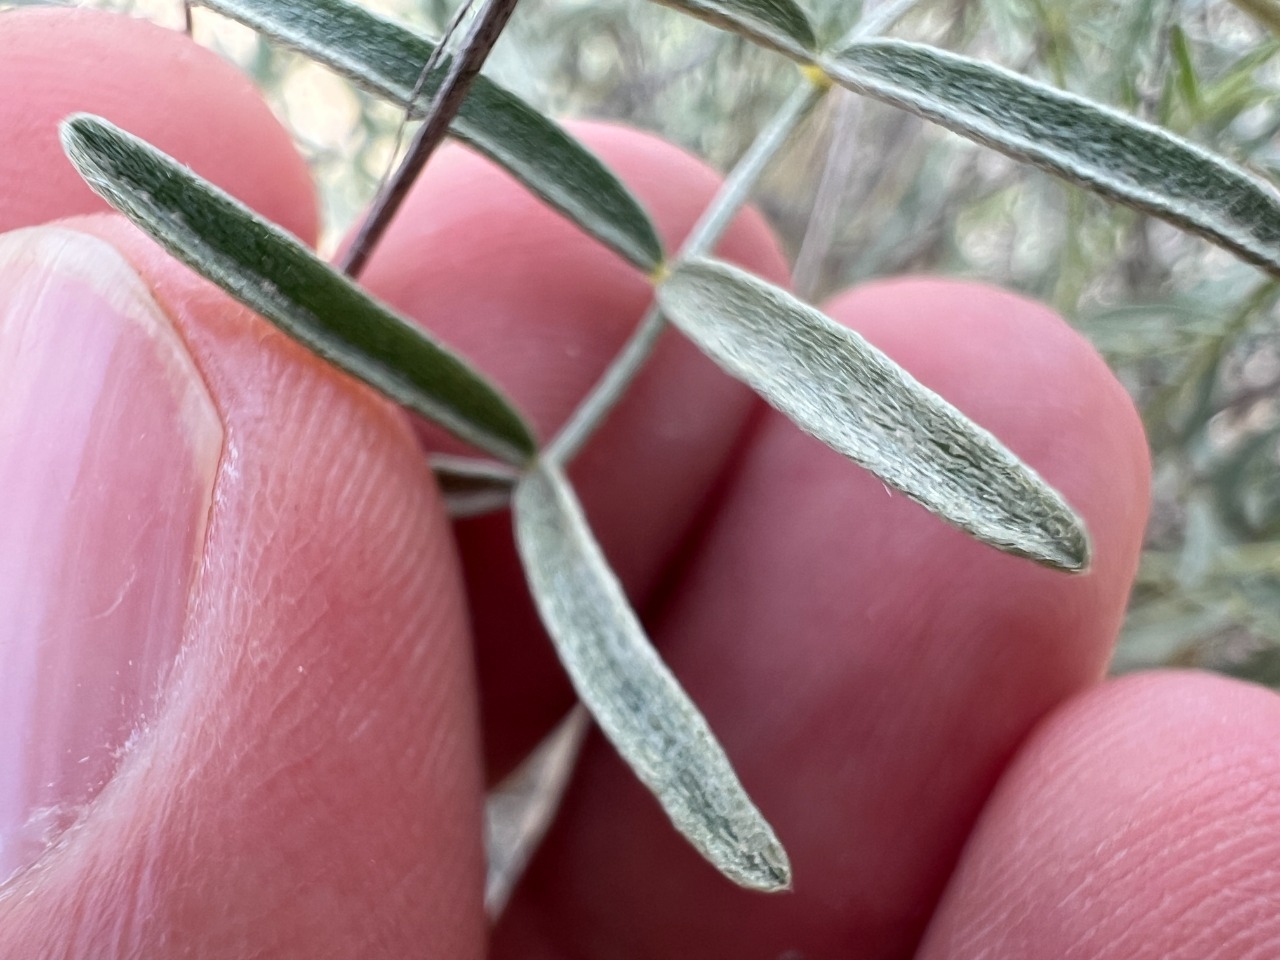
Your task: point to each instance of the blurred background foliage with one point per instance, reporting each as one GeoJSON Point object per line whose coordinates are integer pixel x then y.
{"type": "Point", "coordinates": [868, 191]}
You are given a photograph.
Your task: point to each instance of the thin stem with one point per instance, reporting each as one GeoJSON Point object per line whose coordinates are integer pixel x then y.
{"type": "Point", "coordinates": [737, 187]}
{"type": "Point", "coordinates": [479, 40]}
{"type": "Point", "coordinates": [821, 232]}
{"type": "Point", "coordinates": [473, 487]}
{"type": "Point", "coordinates": [441, 51]}
{"type": "Point", "coordinates": [806, 278]}
{"type": "Point", "coordinates": [471, 468]}
{"type": "Point", "coordinates": [469, 504]}
{"type": "Point", "coordinates": [188, 25]}
{"type": "Point", "coordinates": [878, 16]}
{"type": "Point", "coordinates": [715, 220]}
{"type": "Point", "coordinates": [875, 22]}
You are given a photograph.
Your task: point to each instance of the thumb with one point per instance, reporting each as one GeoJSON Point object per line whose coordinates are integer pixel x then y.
{"type": "Point", "coordinates": [236, 710]}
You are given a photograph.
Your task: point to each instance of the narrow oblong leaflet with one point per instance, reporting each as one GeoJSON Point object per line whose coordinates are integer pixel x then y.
{"type": "Point", "coordinates": [1105, 151]}
{"type": "Point", "coordinates": [272, 273]}
{"type": "Point", "coordinates": [849, 395]}
{"type": "Point", "coordinates": [629, 690]}
{"type": "Point", "coordinates": [781, 24]}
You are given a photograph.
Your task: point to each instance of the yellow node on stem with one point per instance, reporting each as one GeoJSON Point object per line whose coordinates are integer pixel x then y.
{"type": "Point", "coordinates": [816, 76]}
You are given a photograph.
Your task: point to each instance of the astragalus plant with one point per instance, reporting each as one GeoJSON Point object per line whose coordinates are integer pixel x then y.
{"type": "Point", "coordinates": [827, 379]}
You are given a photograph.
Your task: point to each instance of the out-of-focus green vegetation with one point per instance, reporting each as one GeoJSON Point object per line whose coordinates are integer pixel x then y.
{"type": "Point", "coordinates": [868, 191]}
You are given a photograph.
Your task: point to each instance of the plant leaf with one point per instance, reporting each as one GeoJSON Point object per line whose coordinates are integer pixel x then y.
{"type": "Point", "coordinates": [849, 395]}
{"type": "Point", "coordinates": [780, 24]}
{"type": "Point", "coordinates": [1099, 148]}
{"type": "Point", "coordinates": [271, 272]}
{"type": "Point", "coordinates": [387, 59]}
{"type": "Point", "coordinates": [630, 692]}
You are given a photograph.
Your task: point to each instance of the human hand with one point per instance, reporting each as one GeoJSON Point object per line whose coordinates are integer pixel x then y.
{"type": "Point", "coordinates": [919, 716]}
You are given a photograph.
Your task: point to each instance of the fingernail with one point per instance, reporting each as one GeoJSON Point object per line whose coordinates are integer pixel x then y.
{"type": "Point", "coordinates": [109, 445]}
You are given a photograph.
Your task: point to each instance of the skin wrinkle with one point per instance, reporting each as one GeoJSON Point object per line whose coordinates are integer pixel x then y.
{"type": "Point", "coordinates": [351, 498]}
{"type": "Point", "coordinates": [1185, 829]}
{"type": "Point", "coordinates": [1208, 939]}
{"type": "Point", "coordinates": [1207, 892]}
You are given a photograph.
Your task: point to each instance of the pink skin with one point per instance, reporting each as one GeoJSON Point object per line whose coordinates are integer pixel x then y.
{"type": "Point", "coordinates": [1140, 822]}
{"type": "Point", "coordinates": [286, 799]}
{"type": "Point", "coordinates": [179, 96]}
{"type": "Point", "coordinates": [308, 782]}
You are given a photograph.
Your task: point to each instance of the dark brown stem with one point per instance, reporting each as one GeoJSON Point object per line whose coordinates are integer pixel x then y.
{"type": "Point", "coordinates": [480, 39]}
{"type": "Point", "coordinates": [187, 25]}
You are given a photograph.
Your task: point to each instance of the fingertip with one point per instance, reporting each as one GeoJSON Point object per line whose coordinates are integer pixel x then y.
{"type": "Point", "coordinates": [307, 782]}
{"type": "Point", "coordinates": [153, 82]}
{"type": "Point", "coordinates": [1141, 821]}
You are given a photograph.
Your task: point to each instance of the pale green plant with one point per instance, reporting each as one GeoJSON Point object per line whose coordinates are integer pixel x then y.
{"type": "Point", "coordinates": [828, 380]}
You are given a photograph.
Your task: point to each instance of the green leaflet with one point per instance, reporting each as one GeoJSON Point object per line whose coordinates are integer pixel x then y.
{"type": "Point", "coordinates": [387, 60]}
{"type": "Point", "coordinates": [780, 24]}
{"type": "Point", "coordinates": [631, 693]}
{"type": "Point", "coordinates": [849, 395]}
{"type": "Point", "coordinates": [271, 272]}
{"type": "Point", "coordinates": [1107, 152]}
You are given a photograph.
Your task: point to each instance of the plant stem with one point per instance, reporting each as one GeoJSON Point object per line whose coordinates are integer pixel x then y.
{"type": "Point", "coordinates": [473, 487]}
{"type": "Point", "coordinates": [441, 51]}
{"type": "Point", "coordinates": [806, 277]}
{"type": "Point", "coordinates": [472, 468]}
{"type": "Point", "coordinates": [188, 25]}
{"type": "Point", "coordinates": [715, 220]}
{"type": "Point", "coordinates": [542, 778]}
{"type": "Point", "coordinates": [444, 107]}
{"type": "Point", "coordinates": [875, 22]}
